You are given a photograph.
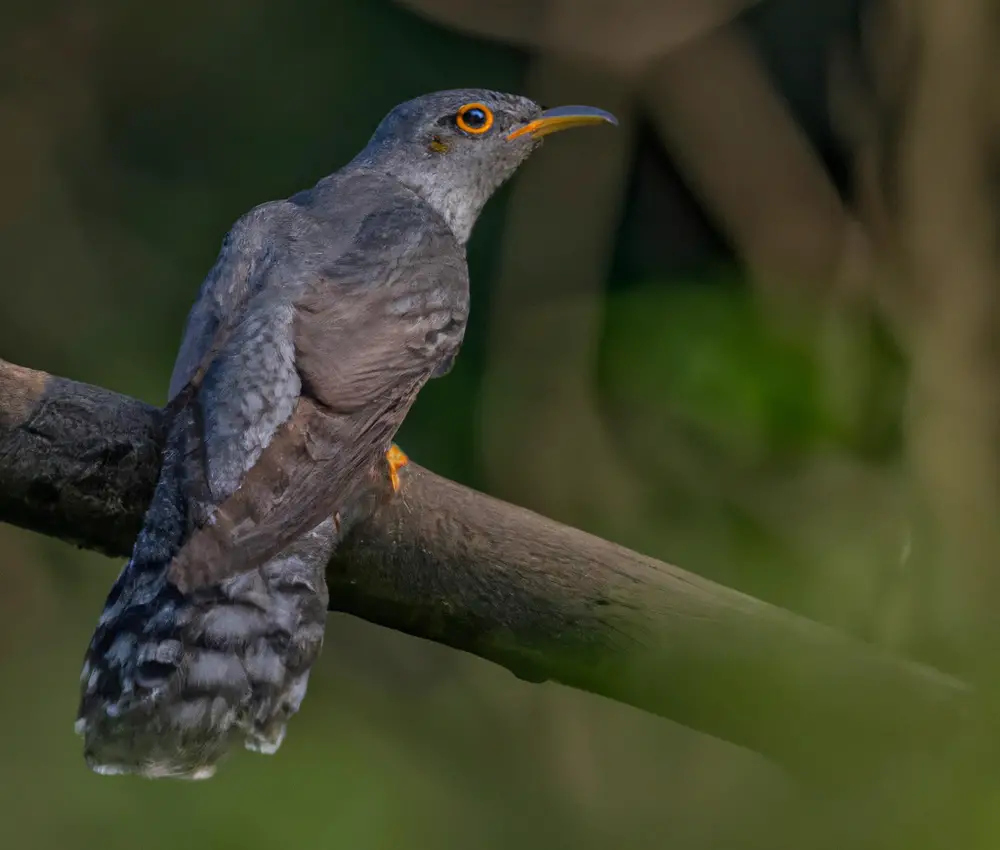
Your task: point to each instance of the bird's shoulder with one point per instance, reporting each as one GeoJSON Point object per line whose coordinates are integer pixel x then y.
{"type": "Point", "coordinates": [356, 229]}
{"type": "Point", "coordinates": [237, 275]}
{"type": "Point", "coordinates": [265, 247]}
{"type": "Point", "coordinates": [368, 218]}
{"type": "Point", "coordinates": [389, 308]}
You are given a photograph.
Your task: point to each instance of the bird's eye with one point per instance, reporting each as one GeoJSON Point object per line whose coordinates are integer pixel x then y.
{"type": "Point", "coordinates": [474, 118]}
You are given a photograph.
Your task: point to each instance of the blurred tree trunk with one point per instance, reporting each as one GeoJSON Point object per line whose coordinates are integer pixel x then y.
{"type": "Point", "coordinates": [544, 441]}
{"type": "Point", "coordinates": [948, 223]}
{"type": "Point", "coordinates": [926, 163]}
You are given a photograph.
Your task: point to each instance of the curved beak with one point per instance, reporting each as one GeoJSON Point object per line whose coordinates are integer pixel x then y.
{"type": "Point", "coordinates": [562, 118]}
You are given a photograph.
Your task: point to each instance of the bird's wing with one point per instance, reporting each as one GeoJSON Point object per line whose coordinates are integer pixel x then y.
{"type": "Point", "coordinates": [344, 359]}
{"type": "Point", "coordinates": [254, 246]}
{"type": "Point", "coordinates": [235, 277]}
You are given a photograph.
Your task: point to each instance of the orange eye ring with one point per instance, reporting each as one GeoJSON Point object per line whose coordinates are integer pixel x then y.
{"type": "Point", "coordinates": [475, 118]}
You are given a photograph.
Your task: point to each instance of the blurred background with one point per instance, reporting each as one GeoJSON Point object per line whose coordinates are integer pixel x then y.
{"type": "Point", "coordinates": [753, 332]}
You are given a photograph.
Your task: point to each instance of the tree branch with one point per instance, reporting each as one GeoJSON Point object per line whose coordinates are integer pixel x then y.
{"type": "Point", "coordinates": [548, 602]}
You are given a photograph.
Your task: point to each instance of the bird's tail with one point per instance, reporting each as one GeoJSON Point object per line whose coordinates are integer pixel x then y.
{"type": "Point", "coordinates": [172, 680]}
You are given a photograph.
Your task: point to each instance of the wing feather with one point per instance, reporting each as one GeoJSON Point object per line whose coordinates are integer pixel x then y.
{"type": "Point", "coordinates": [369, 331]}
{"type": "Point", "coordinates": [235, 277]}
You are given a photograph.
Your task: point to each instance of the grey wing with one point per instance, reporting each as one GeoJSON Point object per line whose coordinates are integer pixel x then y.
{"type": "Point", "coordinates": [248, 392]}
{"type": "Point", "coordinates": [235, 277]}
{"type": "Point", "coordinates": [248, 263]}
{"type": "Point", "coordinates": [238, 347]}
{"type": "Point", "coordinates": [367, 337]}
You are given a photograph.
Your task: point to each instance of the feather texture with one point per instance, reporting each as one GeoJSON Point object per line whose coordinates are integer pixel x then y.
{"type": "Point", "coordinates": [311, 336]}
{"type": "Point", "coordinates": [320, 321]}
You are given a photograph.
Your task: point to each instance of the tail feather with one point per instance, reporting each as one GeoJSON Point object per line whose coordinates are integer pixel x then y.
{"type": "Point", "coordinates": [171, 680]}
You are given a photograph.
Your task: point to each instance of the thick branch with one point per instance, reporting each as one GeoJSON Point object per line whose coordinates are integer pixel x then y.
{"type": "Point", "coordinates": [445, 563]}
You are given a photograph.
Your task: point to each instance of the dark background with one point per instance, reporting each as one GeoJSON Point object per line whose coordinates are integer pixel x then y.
{"type": "Point", "coordinates": [678, 341]}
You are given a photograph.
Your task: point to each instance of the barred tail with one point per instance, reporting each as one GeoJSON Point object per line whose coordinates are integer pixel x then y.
{"type": "Point", "coordinates": [172, 680]}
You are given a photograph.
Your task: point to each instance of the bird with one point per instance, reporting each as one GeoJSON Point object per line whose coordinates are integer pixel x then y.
{"type": "Point", "coordinates": [321, 319]}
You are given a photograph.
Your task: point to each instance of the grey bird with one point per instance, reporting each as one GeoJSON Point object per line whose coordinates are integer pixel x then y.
{"type": "Point", "coordinates": [312, 334]}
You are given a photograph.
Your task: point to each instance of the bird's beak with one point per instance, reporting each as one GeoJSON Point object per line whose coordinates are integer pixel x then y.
{"type": "Point", "coordinates": [562, 118]}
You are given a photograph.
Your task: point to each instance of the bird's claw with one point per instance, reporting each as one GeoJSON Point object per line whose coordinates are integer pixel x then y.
{"type": "Point", "coordinates": [397, 459]}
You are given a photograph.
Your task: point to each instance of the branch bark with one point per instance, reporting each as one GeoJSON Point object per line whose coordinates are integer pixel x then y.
{"type": "Point", "coordinates": [445, 563]}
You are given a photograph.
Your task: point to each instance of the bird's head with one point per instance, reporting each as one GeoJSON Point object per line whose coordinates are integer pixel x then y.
{"type": "Point", "coordinates": [456, 148]}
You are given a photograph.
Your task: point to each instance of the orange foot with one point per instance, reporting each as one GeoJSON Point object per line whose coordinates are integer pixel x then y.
{"type": "Point", "coordinates": [397, 460]}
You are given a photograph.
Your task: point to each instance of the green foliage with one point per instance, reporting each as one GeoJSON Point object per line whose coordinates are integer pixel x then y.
{"type": "Point", "coordinates": [707, 358]}
{"type": "Point", "coordinates": [704, 356]}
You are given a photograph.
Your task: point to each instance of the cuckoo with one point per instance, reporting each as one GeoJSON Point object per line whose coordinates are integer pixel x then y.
{"type": "Point", "coordinates": [322, 318]}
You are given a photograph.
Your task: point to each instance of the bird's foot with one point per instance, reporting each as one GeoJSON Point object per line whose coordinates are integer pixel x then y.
{"type": "Point", "coordinates": [397, 459]}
